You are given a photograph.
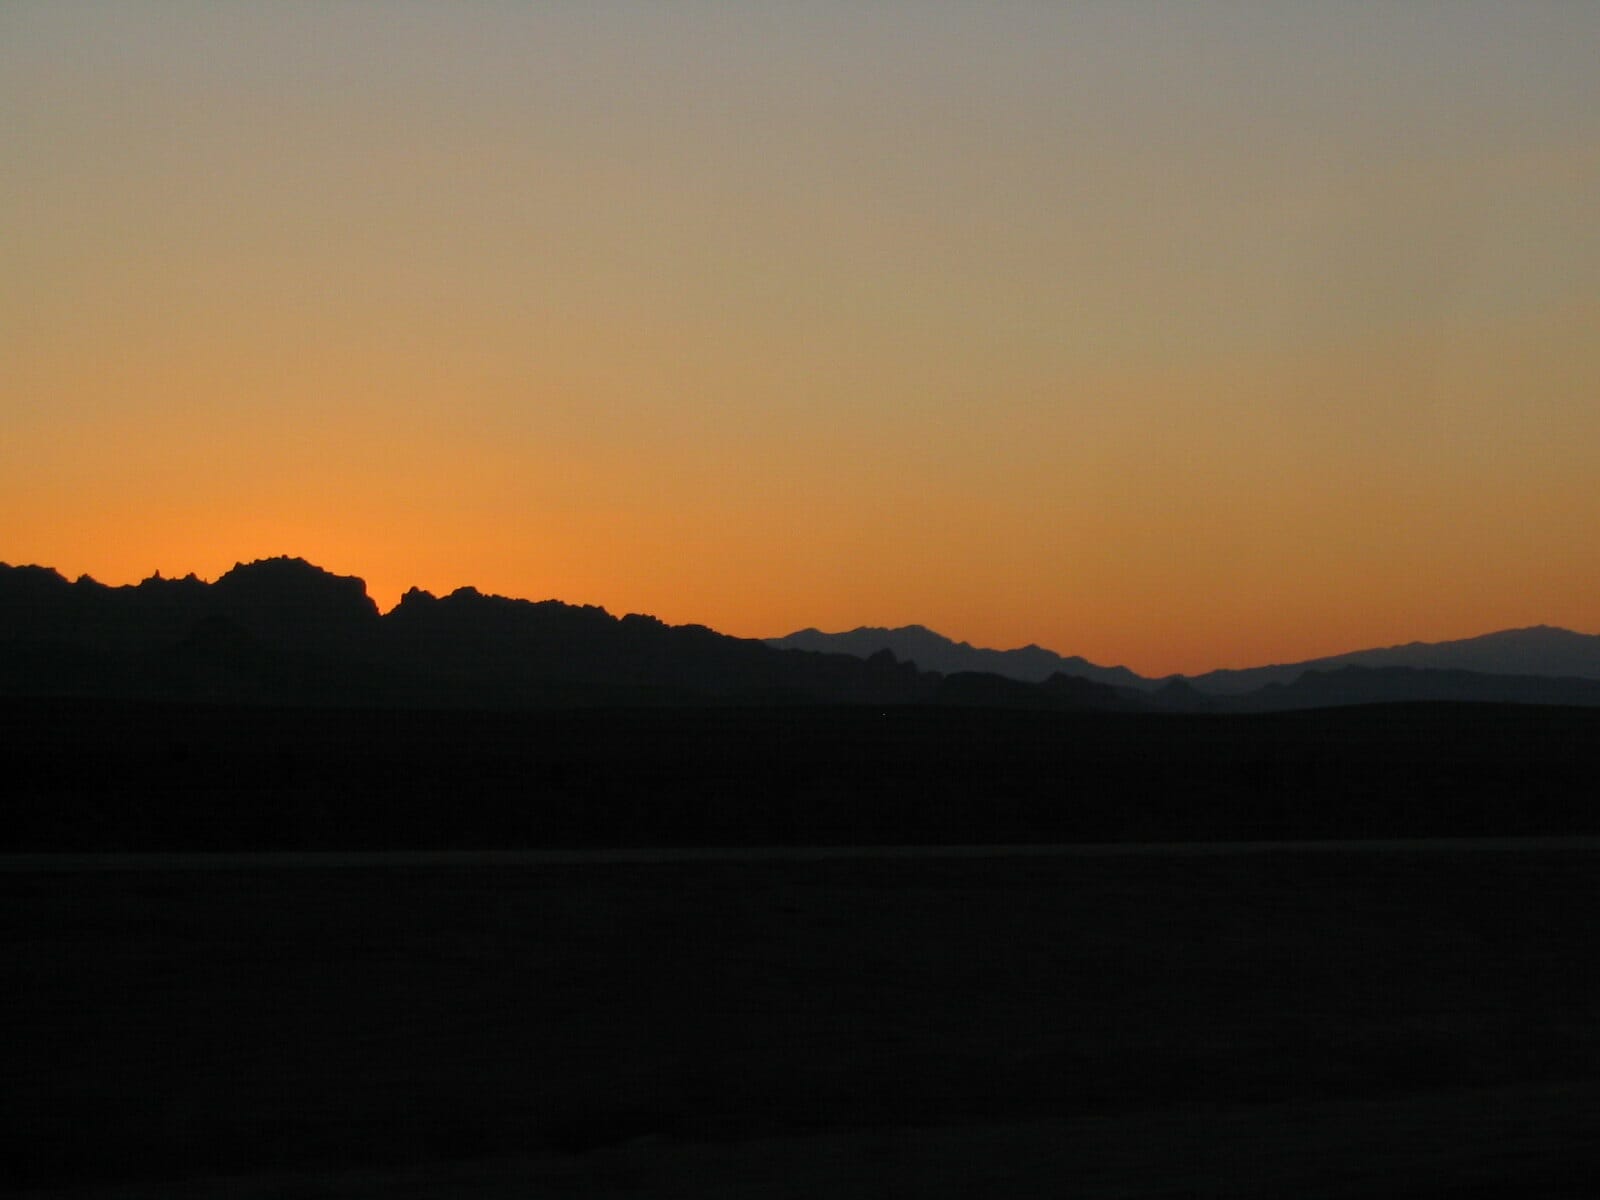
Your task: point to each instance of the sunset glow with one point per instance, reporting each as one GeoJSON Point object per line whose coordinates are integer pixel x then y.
{"type": "Point", "coordinates": [1179, 337]}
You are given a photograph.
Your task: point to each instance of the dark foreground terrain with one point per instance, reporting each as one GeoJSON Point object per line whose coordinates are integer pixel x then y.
{"type": "Point", "coordinates": [1334, 1022]}
{"type": "Point", "coordinates": [108, 775]}
{"type": "Point", "coordinates": [1365, 1020]}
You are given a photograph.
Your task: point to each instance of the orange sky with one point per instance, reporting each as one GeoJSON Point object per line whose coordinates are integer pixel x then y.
{"type": "Point", "coordinates": [1179, 338]}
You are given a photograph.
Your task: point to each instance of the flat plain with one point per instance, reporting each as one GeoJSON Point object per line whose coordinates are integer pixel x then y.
{"type": "Point", "coordinates": [1392, 1019]}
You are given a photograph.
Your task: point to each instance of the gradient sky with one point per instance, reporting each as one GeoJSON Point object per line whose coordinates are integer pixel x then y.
{"type": "Point", "coordinates": [1174, 335]}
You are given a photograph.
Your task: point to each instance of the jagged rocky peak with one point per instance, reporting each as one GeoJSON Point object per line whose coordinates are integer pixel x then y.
{"type": "Point", "coordinates": [290, 600]}
{"type": "Point", "coordinates": [416, 595]}
{"type": "Point", "coordinates": [294, 581]}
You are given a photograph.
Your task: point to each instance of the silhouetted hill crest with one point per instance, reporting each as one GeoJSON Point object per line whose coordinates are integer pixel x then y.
{"type": "Point", "coordinates": [932, 651]}
{"type": "Point", "coordinates": [284, 631]}
{"type": "Point", "coordinates": [26, 580]}
{"type": "Point", "coordinates": [291, 595]}
{"type": "Point", "coordinates": [1535, 651]}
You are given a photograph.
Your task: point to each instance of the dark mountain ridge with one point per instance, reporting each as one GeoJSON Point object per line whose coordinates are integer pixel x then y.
{"type": "Point", "coordinates": [1541, 650]}
{"type": "Point", "coordinates": [934, 652]}
{"type": "Point", "coordinates": [278, 709]}
{"type": "Point", "coordinates": [1540, 664]}
{"type": "Point", "coordinates": [284, 631]}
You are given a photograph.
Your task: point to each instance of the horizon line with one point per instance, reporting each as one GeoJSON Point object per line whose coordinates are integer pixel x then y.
{"type": "Point", "coordinates": [157, 576]}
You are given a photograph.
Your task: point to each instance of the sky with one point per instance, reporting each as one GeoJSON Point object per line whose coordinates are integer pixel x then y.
{"type": "Point", "coordinates": [1181, 336]}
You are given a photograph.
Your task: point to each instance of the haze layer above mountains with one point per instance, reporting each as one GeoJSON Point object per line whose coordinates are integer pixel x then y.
{"type": "Point", "coordinates": [283, 631]}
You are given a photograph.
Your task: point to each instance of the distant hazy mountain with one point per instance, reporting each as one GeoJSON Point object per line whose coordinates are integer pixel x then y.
{"type": "Point", "coordinates": [1539, 650]}
{"type": "Point", "coordinates": [933, 652]}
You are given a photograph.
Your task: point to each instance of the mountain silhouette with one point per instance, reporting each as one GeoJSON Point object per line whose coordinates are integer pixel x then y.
{"type": "Point", "coordinates": [1537, 650]}
{"type": "Point", "coordinates": [287, 601]}
{"type": "Point", "coordinates": [278, 708]}
{"type": "Point", "coordinates": [934, 652]}
{"type": "Point", "coordinates": [1537, 665]}
{"type": "Point", "coordinates": [282, 631]}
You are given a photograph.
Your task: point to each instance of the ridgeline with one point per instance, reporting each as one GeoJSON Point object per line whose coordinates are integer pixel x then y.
{"type": "Point", "coordinates": [278, 709]}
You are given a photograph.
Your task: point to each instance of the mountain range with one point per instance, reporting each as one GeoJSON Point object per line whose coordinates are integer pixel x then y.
{"type": "Point", "coordinates": [934, 652]}
{"type": "Point", "coordinates": [1521, 663]}
{"type": "Point", "coordinates": [282, 631]}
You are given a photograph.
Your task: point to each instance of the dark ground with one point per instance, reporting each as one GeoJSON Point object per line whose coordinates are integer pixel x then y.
{"type": "Point", "coordinates": [1337, 1023]}
{"type": "Point", "coordinates": [87, 775]}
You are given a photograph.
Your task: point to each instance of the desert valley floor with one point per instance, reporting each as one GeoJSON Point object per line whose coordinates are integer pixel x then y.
{"type": "Point", "coordinates": [1395, 1019]}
